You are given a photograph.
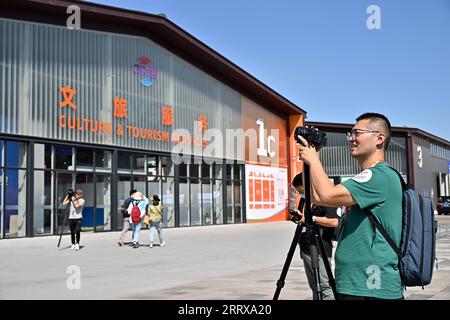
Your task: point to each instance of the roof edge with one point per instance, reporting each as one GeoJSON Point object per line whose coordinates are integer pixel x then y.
{"type": "Point", "coordinates": [252, 84]}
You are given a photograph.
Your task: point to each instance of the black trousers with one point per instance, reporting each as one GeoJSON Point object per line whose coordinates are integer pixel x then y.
{"type": "Point", "coordinates": [75, 229]}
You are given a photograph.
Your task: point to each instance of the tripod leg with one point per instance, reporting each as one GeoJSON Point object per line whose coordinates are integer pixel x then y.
{"type": "Point", "coordinates": [280, 282]}
{"type": "Point", "coordinates": [311, 230]}
{"type": "Point", "coordinates": [62, 229]}
{"type": "Point", "coordinates": [315, 266]}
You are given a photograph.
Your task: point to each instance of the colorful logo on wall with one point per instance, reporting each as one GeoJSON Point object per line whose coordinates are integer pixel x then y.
{"type": "Point", "coordinates": [147, 74]}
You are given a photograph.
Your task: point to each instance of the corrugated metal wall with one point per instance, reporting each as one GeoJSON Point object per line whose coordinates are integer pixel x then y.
{"type": "Point", "coordinates": [37, 59]}
{"type": "Point", "coordinates": [338, 161]}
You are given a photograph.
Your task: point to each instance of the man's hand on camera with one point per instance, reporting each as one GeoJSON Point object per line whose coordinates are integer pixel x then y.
{"type": "Point", "coordinates": [307, 153]}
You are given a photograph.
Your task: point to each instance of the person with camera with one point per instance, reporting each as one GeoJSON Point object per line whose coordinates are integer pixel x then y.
{"type": "Point", "coordinates": [126, 216]}
{"type": "Point", "coordinates": [366, 265]}
{"type": "Point", "coordinates": [327, 220]}
{"type": "Point", "coordinates": [75, 215]}
{"type": "Point", "coordinates": [155, 212]}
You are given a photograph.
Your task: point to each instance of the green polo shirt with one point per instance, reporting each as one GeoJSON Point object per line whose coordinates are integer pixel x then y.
{"type": "Point", "coordinates": [366, 266]}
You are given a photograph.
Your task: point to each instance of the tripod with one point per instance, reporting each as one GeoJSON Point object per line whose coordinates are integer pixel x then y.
{"type": "Point", "coordinates": [65, 222]}
{"type": "Point", "coordinates": [316, 245]}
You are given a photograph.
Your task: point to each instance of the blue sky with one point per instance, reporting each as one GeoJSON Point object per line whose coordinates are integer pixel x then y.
{"type": "Point", "coordinates": [320, 54]}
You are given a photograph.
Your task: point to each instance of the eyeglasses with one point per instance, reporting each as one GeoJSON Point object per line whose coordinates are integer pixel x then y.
{"type": "Point", "coordinates": [356, 132]}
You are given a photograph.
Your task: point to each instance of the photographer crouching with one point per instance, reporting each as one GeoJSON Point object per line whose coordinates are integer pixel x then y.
{"type": "Point", "coordinates": [328, 220]}
{"type": "Point", "coordinates": [76, 214]}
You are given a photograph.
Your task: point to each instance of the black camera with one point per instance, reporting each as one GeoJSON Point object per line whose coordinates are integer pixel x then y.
{"type": "Point", "coordinates": [314, 137]}
{"type": "Point", "coordinates": [294, 216]}
{"type": "Point", "coordinates": [70, 193]}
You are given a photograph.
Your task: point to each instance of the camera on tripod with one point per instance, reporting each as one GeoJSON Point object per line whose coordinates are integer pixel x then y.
{"type": "Point", "coordinates": [314, 137]}
{"type": "Point", "coordinates": [70, 193]}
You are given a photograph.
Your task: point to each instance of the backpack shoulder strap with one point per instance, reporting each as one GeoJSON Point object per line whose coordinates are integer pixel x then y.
{"type": "Point", "coordinates": [404, 186]}
{"type": "Point", "coordinates": [374, 222]}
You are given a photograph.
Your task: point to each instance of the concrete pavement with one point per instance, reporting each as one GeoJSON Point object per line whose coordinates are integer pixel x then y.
{"type": "Point", "coordinates": [232, 262]}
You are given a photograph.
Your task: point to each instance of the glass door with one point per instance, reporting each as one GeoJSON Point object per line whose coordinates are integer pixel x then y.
{"type": "Point", "coordinates": [64, 181]}
{"type": "Point", "coordinates": [123, 192]}
{"type": "Point", "coordinates": [85, 183]}
{"type": "Point", "coordinates": [102, 214]}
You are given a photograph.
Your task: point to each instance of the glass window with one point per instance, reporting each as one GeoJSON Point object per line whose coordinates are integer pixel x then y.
{"type": "Point", "coordinates": [152, 166]}
{"type": "Point", "coordinates": [139, 183]}
{"type": "Point", "coordinates": [153, 178]}
{"type": "Point", "coordinates": [16, 154]}
{"type": "Point", "coordinates": [168, 202]}
{"type": "Point", "coordinates": [15, 204]}
{"type": "Point", "coordinates": [63, 157]}
{"type": "Point", "coordinates": [229, 176]}
{"type": "Point", "coordinates": [237, 172]}
{"type": "Point", "coordinates": [196, 200]}
{"type": "Point", "coordinates": [207, 202]}
{"type": "Point", "coordinates": [123, 192]}
{"type": "Point", "coordinates": [64, 181]}
{"type": "Point", "coordinates": [206, 171]}
{"type": "Point", "coordinates": [103, 203]}
{"type": "Point", "coordinates": [43, 217]}
{"type": "Point", "coordinates": [153, 189]}
{"type": "Point", "coordinates": [218, 203]}
{"type": "Point", "coordinates": [138, 163]}
{"type": "Point", "coordinates": [84, 158]}
{"type": "Point", "coordinates": [42, 156]}
{"type": "Point", "coordinates": [85, 182]}
{"type": "Point", "coordinates": [237, 202]}
{"type": "Point", "coordinates": [194, 171]}
{"type": "Point", "coordinates": [124, 162]}
{"type": "Point", "coordinates": [184, 204]}
{"type": "Point", "coordinates": [103, 160]}
{"type": "Point", "coordinates": [230, 206]}
{"type": "Point", "coordinates": [167, 166]}
{"type": "Point", "coordinates": [1, 153]}
{"type": "Point", "coordinates": [183, 170]}
{"type": "Point", "coordinates": [218, 171]}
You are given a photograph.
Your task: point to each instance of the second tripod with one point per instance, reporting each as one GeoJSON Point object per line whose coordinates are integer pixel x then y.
{"type": "Point", "coordinates": [315, 244]}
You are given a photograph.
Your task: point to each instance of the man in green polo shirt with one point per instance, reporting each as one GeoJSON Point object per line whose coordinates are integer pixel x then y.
{"type": "Point", "coordinates": [366, 266]}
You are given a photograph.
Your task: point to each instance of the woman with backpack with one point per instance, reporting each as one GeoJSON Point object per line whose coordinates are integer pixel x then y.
{"type": "Point", "coordinates": [136, 209]}
{"type": "Point", "coordinates": [155, 211]}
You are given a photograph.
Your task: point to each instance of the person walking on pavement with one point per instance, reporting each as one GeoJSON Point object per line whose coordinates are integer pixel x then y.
{"type": "Point", "coordinates": [126, 216]}
{"type": "Point", "coordinates": [136, 210]}
{"type": "Point", "coordinates": [155, 211]}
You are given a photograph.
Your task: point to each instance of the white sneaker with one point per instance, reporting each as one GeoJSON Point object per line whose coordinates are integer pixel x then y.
{"type": "Point", "coordinates": [151, 245]}
{"type": "Point", "coordinates": [72, 247]}
{"type": "Point", "coordinates": [77, 247]}
{"type": "Point", "coordinates": [163, 244]}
